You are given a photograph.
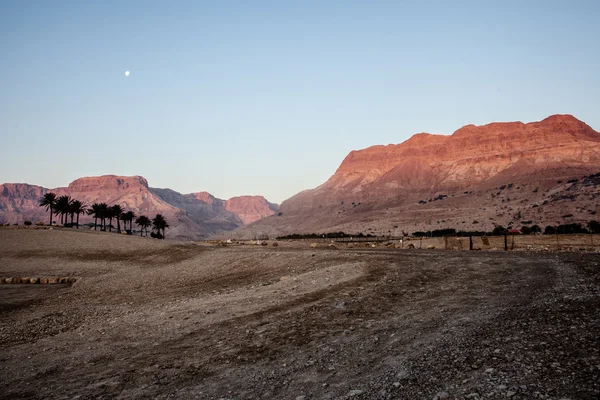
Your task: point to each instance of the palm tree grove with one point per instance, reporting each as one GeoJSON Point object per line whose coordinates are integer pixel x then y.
{"type": "Point", "coordinates": [103, 214]}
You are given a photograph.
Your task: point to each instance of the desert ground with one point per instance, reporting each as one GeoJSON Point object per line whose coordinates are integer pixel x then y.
{"type": "Point", "coordinates": [156, 319]}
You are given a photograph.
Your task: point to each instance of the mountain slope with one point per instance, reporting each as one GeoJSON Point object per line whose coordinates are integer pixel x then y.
{"type": "Point", "coordinates": [191, 216]}
{"type": "Point", "coordinates": [380, 187]}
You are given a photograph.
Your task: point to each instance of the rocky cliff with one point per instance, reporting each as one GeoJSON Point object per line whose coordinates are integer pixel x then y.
{"type": "Point", "coordinates": [191, 216]}
{"type": "Point", "coordinates": [379, 184]}
{"type": "Point", "coordinates": [250, 208]}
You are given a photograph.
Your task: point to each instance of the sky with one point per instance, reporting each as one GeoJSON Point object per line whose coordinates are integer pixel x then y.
{"type": "Point", "coordinates": [268, 97]}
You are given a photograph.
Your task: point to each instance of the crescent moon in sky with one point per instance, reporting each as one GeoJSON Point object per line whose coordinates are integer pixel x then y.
{"type": "Point", "coordinates": [126, 73]}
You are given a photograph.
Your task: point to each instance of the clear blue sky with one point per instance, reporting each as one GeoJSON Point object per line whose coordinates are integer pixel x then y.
{"type": "Point", "coordinates": [268, 97]}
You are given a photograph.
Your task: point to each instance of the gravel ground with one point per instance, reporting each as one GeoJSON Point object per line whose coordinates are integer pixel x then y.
{"type": "Point", "coordinates": [154, 319]}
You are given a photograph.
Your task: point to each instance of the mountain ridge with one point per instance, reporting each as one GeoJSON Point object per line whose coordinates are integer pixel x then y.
{"type": "Point", "coordinates": [189, 215]}
{"type": "Point", "coordinates": [474, 159]}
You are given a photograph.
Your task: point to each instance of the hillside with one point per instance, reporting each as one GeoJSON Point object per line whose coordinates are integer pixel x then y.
{"type": "Point", "coordinates": [480, 176]}
{"type": "Point", "coordinates": [191, 216]}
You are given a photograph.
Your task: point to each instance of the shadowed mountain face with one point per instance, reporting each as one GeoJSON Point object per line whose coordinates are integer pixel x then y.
{"type": "Point", "coordinates": [190, 216]}
{"type": "Point", "coordinates": [388, 188]}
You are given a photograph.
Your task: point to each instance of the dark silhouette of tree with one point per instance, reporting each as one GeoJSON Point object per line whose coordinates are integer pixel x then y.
{"type": "Point", "coordinates": [116, 212]}
{"type": "Point", "coordinates": [104, 213]}
{"type": "Point", "coordinates": [160, 223]}
{"type": "Point", "coordinates": [128, 217]}
{"type": "Point", "coordinates": [594, 226]}
{"type": "Point", "coordinates": [62, 207]}
{"type": "Point", "coordinates": [48, 201]}
{"type": "Point", "coordinates": [144, 222]}
{"type": "Point", "coordinates": [77, 207]}
{"type": "Point", "coordinates": [95, 211]}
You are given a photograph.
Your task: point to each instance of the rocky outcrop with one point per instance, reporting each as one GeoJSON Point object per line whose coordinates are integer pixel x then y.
{"type": "Point", "coordinates": [470, 156]}
{"type": "Point", "coordinates": [18, 197]}
{"type": "Point", "coordinates": [380, 184]}
{"type": "Point", "coordinates": [191, 216]}
{"type": "Point", "coordinates": [250, 209]}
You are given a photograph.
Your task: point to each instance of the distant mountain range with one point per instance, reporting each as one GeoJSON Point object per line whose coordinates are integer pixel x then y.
{"type": "Point", "coordinates": [509, 174]}
{"type": "Point", "coordinates": [191, 216]}
{"type": "Point", "coordinates": [479, 177]}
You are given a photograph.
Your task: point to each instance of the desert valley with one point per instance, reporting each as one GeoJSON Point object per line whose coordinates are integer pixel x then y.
{"type": "Point", "coordinates": [225, 310]}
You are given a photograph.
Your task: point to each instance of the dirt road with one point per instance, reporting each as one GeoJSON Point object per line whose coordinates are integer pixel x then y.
{"type": "Point", "coordinates": [152, 319]}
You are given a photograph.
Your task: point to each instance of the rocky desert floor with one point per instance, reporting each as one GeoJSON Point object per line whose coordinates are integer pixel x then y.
{"type": "Point", "coordinates": [157, 319]}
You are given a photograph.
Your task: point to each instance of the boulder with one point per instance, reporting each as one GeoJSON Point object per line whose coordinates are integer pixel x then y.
{"type": "Point", "coordinates": [275, 244]}
{"type": "Point", "coordinates": [313, 245]}
{"type": "Point", "coordinates": [34, 280]}
{"type": "Point", "coordinates": [430, 247]}
{"type": "Point", "coordinates": [52, 280]}
{"type": "Point", "coordinates": [332, 246]}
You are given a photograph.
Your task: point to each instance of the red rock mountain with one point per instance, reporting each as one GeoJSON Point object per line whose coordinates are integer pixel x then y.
{"type": "Point", "coordinates": [381, 184]}
{"type": "Point", "coordinates": [250, 208]}
{"type": "Point", "coordinates": [191, 216]}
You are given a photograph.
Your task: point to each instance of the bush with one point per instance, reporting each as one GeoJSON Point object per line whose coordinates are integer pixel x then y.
{"type": "Point", "coordinates": [27, 223]}
{"type": "Point", "coordinates": [499, 230]}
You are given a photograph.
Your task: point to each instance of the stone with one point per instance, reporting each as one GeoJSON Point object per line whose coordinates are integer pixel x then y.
{"type": "Point", "coordinates": [34, 280]}
{"type": "Point", "coordinates": [355, 392]}
{"type": "Point", "coordinates": [275, 244]}
{"type": "Point", "coordinates": [52, 280]}
{"type": "Point", "coordinates": [441, 395]}
{"type": "Point", "coordinates": [430, 247]}
{"type": "Point", "coordinates": [44, 280]}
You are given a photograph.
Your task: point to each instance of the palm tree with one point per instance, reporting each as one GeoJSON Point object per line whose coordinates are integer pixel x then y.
{"type": "Point", "coordinates": [117, 210]}
{"type": "Point", "coordinates": [128, 216]}
{"type": "Point", "coordinates": [62, 207]}
{"type": "Point", "coordinates": [77, 207]}
{"type": "Point", "coordinates": [104, 213]}
{"type": "Point", "coordinates": [49, 201]}
{"type": "Point", "coordinates": [96, 212]}
{"type": "Point", "coordinates": [144, 222]}
{"type": "Point", "coordinates": [159, 223]}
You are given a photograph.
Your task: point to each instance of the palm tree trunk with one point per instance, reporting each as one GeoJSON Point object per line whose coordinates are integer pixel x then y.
{"type": "Point", "coordinates": [118, 226]}
{"type": "Point", "coordinates": [50, 214]}
{"type": "Point", "coordinates": [77, 220]}
{"type": "Point", "coordinates": [72, 215]}
{"type": "Point", "coordinates": [95, 222]}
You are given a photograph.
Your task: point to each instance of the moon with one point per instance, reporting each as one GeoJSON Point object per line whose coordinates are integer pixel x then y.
{"type": "Point", "coordinates": [126, 73]}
